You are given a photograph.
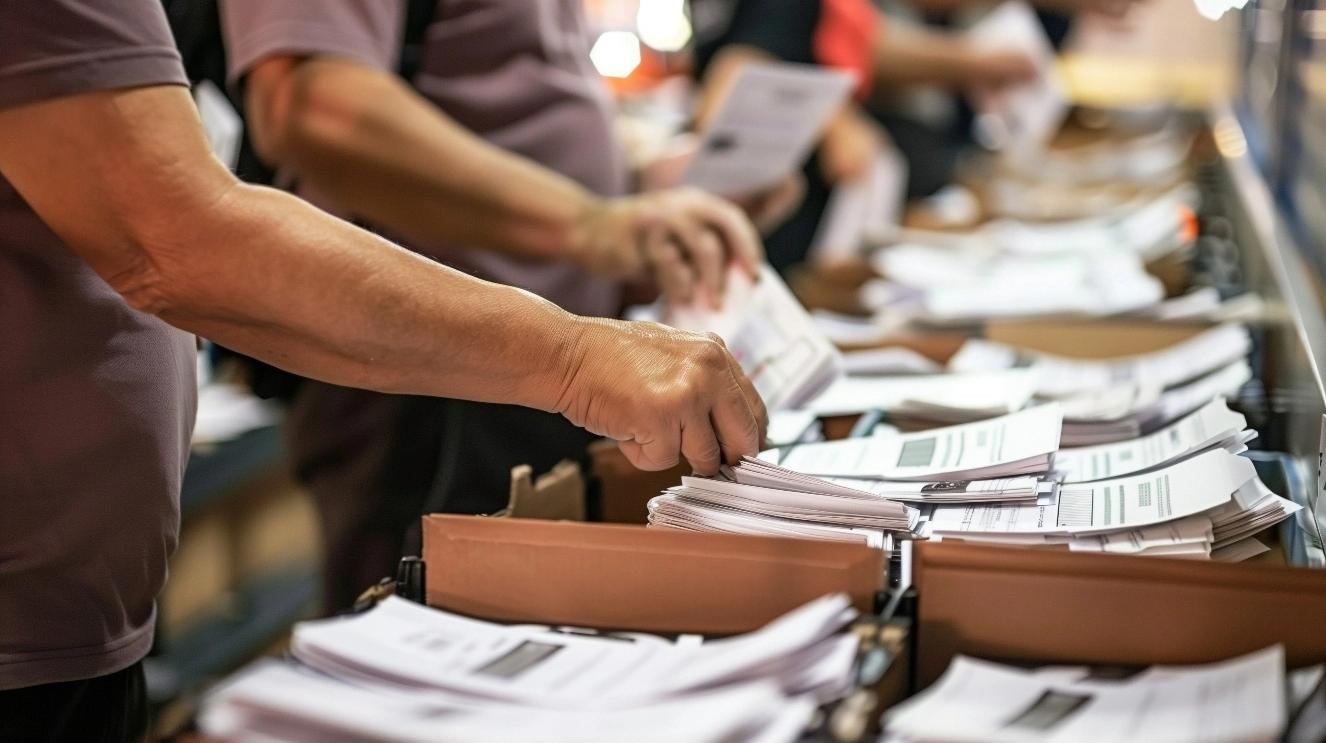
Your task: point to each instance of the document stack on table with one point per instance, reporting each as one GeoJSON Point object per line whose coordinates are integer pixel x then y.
{"type": "Point", "coordinates": [867, 482]}
{"type": "Point", "coordinates": [1116, 399]}
{"type": "Point", "coordinates": [946, 284]}
{"type": "Point", "coordinates": [404, 672]}
{"type": "Point", "coordinates": [1236, 701]}
{"type": "Point", "coordinates": [1171, 511]}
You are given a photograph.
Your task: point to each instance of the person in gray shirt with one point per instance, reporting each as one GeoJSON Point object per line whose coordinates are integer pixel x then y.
{"type": "Point", "coordinates": [498, 156]}
{"type": "Point", "coordinates": [120, 235]}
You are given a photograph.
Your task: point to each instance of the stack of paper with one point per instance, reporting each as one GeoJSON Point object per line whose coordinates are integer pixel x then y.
{"type": "Point", "coordinates": [1116, 399]}
{"type": "Point", "coordinates": [1204, 503]}
{"type": "Point", "coordinates": [1150, 229]}
{"type": "Point", "coordinates": [1237, 701]}
{"type": "Point", "coordinates": [406, 672]}
{"type": "Point", "coordinates": [759, 473]}
{"type": "Point", "coordinates": [1212, 426]}
{"type": "Point", "coordinates": [277, 702]}
{"type": "Point", "coordinates": [770, 334]}
{"type": "Point", "coordinates": [958, 285]}
{"type": "Point", "coordinates": [1062, 377]}
{"type": "Point", "coordinates": [1252, 509]}
{"type": "Point", "coordinates": [673, 510]}
{"type": "Point", "coordinates": [819, 502]}
{"type": "Point", "coordinates": [1022, 443]}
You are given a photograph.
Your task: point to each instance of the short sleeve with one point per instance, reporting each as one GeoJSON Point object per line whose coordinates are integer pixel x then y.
{"type": "Point", "coordinates": [367, 31]}
{"type": "Point", "coordinates": [54, 48]}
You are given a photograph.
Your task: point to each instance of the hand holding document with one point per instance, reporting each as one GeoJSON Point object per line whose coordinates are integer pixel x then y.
{"type": "Point", "coordinates": [765, 127]}
{"type": "Point", "coordinates": [770, 335]}
{"type": "Point", "coordinates": [1236, 701]}
{"type": "Point", "coordinates": [1024, 117]}
{"type": "Point", "coordinates": [1022, 443]}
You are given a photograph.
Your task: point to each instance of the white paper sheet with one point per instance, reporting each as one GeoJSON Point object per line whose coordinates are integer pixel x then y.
{"type": "Point", "coordinates": [1212, 425]}
{"type": "Point", "coordinates": [1018, 444]}
{"type": "Point", "coordinates": [770, 334]}
{"type": "Point", "coordinates": [765, 127]}
{"type": "Point", "coordinates": [1193, 486]}
{"type": "Point", "coordinates": [1235, 701]}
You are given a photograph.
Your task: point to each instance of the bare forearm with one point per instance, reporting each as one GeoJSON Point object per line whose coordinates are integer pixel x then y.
{"type": "Point", "coordinates": [906, 54]}
{"type": "Point", "coordinates": [322, 298]}
{"type": "Point", "coordinates": [376, 149]}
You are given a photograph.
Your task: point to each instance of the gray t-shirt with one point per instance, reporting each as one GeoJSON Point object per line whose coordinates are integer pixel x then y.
{"type": "Point", "coordinates": [515, 72]}
{"type": "Point", "coordinates": [96, 399]}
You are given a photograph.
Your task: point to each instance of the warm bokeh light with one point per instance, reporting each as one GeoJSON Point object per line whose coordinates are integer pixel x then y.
{"type": "Point", "coordinates": [663, 24]}
{"type": "Point", "coordinates": [616, 53]}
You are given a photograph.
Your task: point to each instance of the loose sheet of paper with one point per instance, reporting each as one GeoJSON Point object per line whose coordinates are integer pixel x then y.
{"type": "Point", "coordinates": [765, 127]}
{"type": "Point", "coordinates": [1212, 425]}
{"type": "Point", "coordinates": [770, 334]}
{"type": "Point", "coordinates": [1017, 444]}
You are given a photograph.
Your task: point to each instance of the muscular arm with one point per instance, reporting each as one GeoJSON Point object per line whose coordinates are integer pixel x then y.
{"type": "Point", "coordinates": [125, 178]}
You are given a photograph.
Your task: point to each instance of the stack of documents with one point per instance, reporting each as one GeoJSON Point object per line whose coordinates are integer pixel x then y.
{"type": "Point", "coordinates": [770, 334]}
{"type": "Point", "coordinates": [1213, 426]}
{"type": "Point", "coordinates": [1236, 701]}
{"type": "Point", "coordinates": [1150, 229]}
{"type": "Point", "coordinates": [404, 672]}
{"type": "Point", "coordinates": [1114, 399]}
{"type": "Point", "coordinates": [813, 501]}
{"type": "Point", "coordinates": [947, 284]}
{"type": "Point", "coordinates": [1190, 509]}
{"type": "Point", "coordinates": [1023, 443]}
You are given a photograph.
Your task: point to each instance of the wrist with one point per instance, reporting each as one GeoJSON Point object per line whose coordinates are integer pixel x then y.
{"type": "Point", "coordinates": [580, 247]}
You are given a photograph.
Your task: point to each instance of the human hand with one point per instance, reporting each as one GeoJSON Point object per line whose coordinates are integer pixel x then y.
{"type": "Point", "coordinates": [683, 237]}
{"type": "Point", "coordinates": [662, 394]}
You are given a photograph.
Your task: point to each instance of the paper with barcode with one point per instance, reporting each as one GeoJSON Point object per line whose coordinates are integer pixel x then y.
{"type": "Point", "coordinates": [1017, 444]}
{"type": "Point", "coordinates": [771, 335]}
{"type": "Point", "coordinates": [1193, 486]}
{"type": "Point", "coordinates": [766, 126]}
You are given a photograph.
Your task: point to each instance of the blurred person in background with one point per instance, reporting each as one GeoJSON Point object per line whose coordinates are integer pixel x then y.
{"type": "Point", "coordinates": [494, 153]}
{"type": "Point", "coordinates": [888, 55]}
{"type": "Point", "coordinates": [120, 235]}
